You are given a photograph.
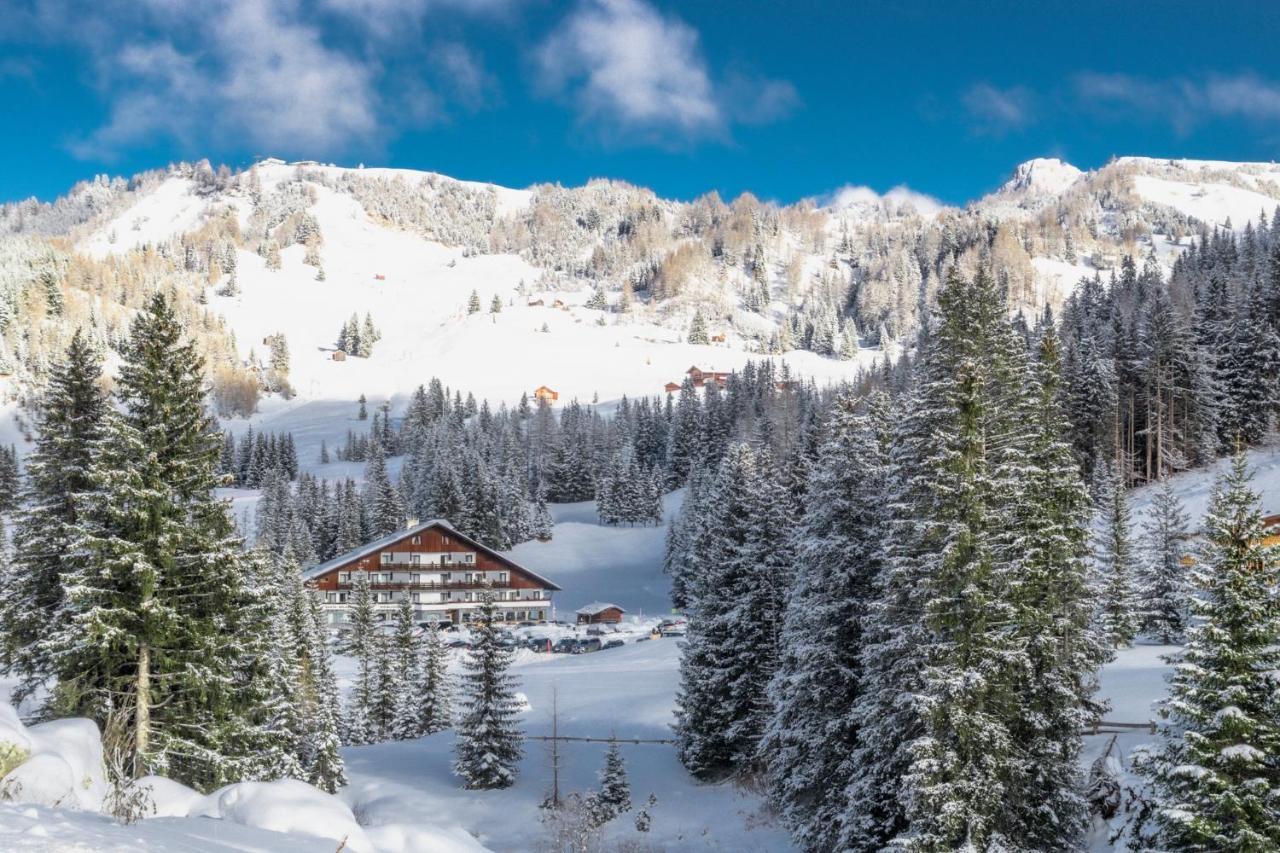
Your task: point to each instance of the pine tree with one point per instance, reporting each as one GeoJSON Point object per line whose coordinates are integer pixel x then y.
{"type": "Point", "coordinates": [435, 692]}
{"type": "Point", "coordinates": [1117, 604]}
{"type": "Point", "coordinates": [407, 675]}
{"type": "Point", "coordinates": [488, 744]}
{"type": "Point", "coordinates": [614, 796]}
{"type": "Point", "coordinates": [69, 425]}
{"type": "Point", "coordinates": [698, 329]}
{"type": "Point", "coordinates": [362, 645]}
{"type": "Point", "coordinates": [158, 638]}
{"type": "Point", "coordinates": [1164, 594]}
{"type": "Point", "coordinates": [1218, 764]}
{"type": "Point", "coordinates": [473, 303]}
{"type": "Point", "coordinates": [384, 510]}
{"type": "Point", "coordinates": [812, 735]}
{"type": "Point", "coordinates": [722, 703]}
{"type": "Point", "coordinates": [495, 306]}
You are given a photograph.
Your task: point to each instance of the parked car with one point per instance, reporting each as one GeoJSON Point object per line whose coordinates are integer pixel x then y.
{"type": "Point", "coordinates": [459, 644]}
{"type": "Point", "coordinates": [565, 646]}
{"type": "Point", "coordinates": [591, 644]}
{"type": "Point", "coordinates": [538, 644]}
{"type": "Point", "coordinates": [614, 643]}
{"type": "Point", "coordinates": [673, 629]}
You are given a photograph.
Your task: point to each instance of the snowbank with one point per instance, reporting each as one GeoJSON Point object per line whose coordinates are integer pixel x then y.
{"type": "Point", "coordinates": [59, 765]}
{"type": "Point", "coordinates": [286, 805]}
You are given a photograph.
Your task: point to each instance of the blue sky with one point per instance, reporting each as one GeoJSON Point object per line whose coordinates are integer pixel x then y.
{"type": "Point", "coordinates": [785, 100]}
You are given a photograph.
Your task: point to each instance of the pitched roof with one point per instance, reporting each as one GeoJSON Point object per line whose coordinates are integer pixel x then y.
{"type": "Point", "coordinates": [392, 538]}
{"type": "Point", "coordinates": [597, 607]}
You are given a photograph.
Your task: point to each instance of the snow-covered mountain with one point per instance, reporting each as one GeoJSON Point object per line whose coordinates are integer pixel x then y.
{"type": "Point", "coordinates": [597, 285]}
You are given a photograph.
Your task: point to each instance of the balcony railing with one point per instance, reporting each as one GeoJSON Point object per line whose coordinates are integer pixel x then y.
{"type": "Point", "coordinates": [426, 586]}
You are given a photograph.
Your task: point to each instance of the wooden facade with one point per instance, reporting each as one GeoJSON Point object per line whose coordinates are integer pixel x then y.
{"type": "Point", "coordinates": [544, 394]}
{"type": "Point", "coordinates": [441, 572]}
{"type": "Point", "coordinates": [600, 613]}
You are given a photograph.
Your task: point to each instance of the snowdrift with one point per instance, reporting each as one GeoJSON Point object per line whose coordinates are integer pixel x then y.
{"type": "Point", "coordinates": [59, 765]}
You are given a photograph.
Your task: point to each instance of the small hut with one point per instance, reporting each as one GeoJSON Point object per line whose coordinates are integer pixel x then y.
{"type": "Point", "coordinates": [339, 355]}
{"type": "Point", "coordinates": [543, 394]}
{"type": "Point", "coordinates": [598, 613]}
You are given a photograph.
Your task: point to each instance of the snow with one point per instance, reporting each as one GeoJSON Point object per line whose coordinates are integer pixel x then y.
{"type": "Point", "coordinates": [1057, 279]}
{"type": "Point", "coordinates": [285, 805]}
{"type": "Point", "coordinates": [1212, 203]}
{"type": "Point", "coordinates": [170, 208]}
{"type": "Point", "coordinates": [1042, 176]}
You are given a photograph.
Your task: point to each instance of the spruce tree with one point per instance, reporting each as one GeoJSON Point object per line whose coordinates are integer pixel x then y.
{"type": "Point", "coordinates": [722, 705]}
{"type": "Point", "coordinates": [158, 638]}
{"type": "Point", "coordinates": [698, 329]}
{"type": "Point", "coordinates": [1117, 616]}
{"type": "Point", "coordinates": [1164, 594]}
{"type": "Point", "coordinates": [362, 644]}
{"type": "Point", "coordinates": [406, 723]}
{"type": "Point", "coordinates": [473, 303]}
{"type": "Point", "coordinates": [812, 733]}
{"type": "Point", "coordinates": [435, 694]}
{"type": "Point", "coordinates": [614, 796]}
{"type": "Point", "coordinates": [489, 743]}
{"type": "Point", "coordinates": [1217, 767]}
{"type": "Point", "coordinates": [69, 425]}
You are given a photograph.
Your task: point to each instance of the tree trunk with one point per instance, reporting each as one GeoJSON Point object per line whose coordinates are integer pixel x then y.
{"type": "Point", "coordinates": [142, 709]}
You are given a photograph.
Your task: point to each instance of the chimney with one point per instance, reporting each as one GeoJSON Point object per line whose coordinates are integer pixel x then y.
{"type": "Point", "coordinates": [410, 523]}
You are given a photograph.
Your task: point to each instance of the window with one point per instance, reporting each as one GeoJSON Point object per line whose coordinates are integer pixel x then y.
{"type": "Point", "coordinates": [386, 556]}
{"type": "Point", "coordinates": [417, 540]}
{"type": "Point", "coordinates": [536, 594]}
{"type": "Point", "coordinates": [386, 577]}
{"type": "Point", "coordinates": [415, 578]}
{"type": "Point", "coordinates": [466, 596]}
{"type": "Point", "coordinates": [415, 559]}
{"type": "Point", "coordinates": [468, 577]}
{"type": "Point", "coordinates": [502, 577]}
{"type": "Point", "coordinates": [468, 558]}
{"type": "Point", "coordinates": [444, 576]}
{"type": "Point", "coordinates": [344, 577]}
{"type": "Point", "coordinates": [342, 597]}
{"type": "Point", "coordinates": [331, 596]}
{"type": "Point", "coordinates": [417, 597]}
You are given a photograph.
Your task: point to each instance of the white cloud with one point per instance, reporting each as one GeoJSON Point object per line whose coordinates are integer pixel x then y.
{"type": "Point", "coordinates": [995, 111]}
{"type": "Point", "coordinates": [464, 73]}
{"type": "Point", "coordinates": [633, 71]}
{"type": "Point", "coordinates": [1181, 102]}
{"type": "Point", "coordinates": [629, 64]}
{"type": "Point", "coordinates": [257, 72]}
{"type": "Point", "coordinates": [894, 201]}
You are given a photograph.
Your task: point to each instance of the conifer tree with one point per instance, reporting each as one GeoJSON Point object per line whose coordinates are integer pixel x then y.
{"type": "Point", "coordinates": [698, 329]}
{"type": "Point", "coordinates": [812, 734]}
{"type": "Point", "coordinates": [69, 425]}
{"type": "Point", "coordinates": [722, 704]}
{"type": "Point", "coordinates": [1217, 767]}
{"type": "Point", "coordinates": [406, 723]}
{"type": "Point", "coordinates": [434, 698]}
{"type": "Point", "coordinates": [614, 796]}
{"type": "Point", "coordinates": [157, 637]}
{"type": "Point", "coordinates": [361, 645]}
{"type": "Point", "coordinates": [488, 742]}
{"type": "Point", "coordinates": [1117, 617]}
{"type": "Point", "coordinates": [1164, 594]}
{"type": "Point", "coordinates": [473, 303]}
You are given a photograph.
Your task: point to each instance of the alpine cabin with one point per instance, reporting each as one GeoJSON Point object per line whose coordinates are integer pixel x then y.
{"type": "Point", "coordinates": [439, 570]}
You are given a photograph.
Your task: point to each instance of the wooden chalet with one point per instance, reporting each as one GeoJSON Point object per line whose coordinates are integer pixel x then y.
{"type": "Point", "coordinates": [599, 613]}
{"type": "Point", "coordinates": [441, 571]}
{"type": "Point", "coordinates": [339, 355]}
{"type": "Point", "coordinates": [702, 377]}
{"type": "Point", "coordinates": [718, 338]}
{"type": "Point", "coordinates": [672, 387]}
{"type": "Point", "coordinates": [543, 394]}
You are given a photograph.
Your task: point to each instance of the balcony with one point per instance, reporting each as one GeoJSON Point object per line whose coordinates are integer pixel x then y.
{"type": "Point", "coordinates": [428, 586]}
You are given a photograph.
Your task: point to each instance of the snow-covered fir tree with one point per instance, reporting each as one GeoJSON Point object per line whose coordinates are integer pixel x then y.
{"type": "Point", "coordinates": [362, 644]}
{"type": "Point", "coordinates": [434, 698]}
{"type": "Point", "coordinates": [722, 705]}
{"type": "Point", "coordinates": [1164, 594]}
{"type": "Point", "coordinates": [489, 742]}
{"type": "Point", "coordinates": [614, 796]}
{"type": "Point", "coordinates": [1116, 570]}
{"type": "Point", "coordinates": [811, 735]}
{"type": "Point", "coordinates": [157, 638]}
{"type": "Point", "coordinates": [69, 425]}
{"type": "Point", "coordinates": [407, 675]}
{"type": "Point", "coordinates": [1217, 767]}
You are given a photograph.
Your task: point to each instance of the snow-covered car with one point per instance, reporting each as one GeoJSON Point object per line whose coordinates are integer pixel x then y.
{"type": "Point", "coordinates": [591, 644]}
